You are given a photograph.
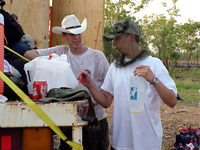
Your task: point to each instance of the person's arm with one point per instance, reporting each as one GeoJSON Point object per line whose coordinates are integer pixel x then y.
{"type": "Point", "coordinates": [167, 95]}
{"type": "Point", "coordinates": [31, 54]}
{"type": "Point", "coordinates": [101, 97]}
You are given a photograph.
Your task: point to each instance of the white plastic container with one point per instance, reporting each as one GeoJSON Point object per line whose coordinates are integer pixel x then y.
{"type": "Point", "coordinates": [28, 68]}
{"type": "Point", "coordinates": [137, 87]}
{"type": "Point", "coordinates": [30, 72]}
{"type": "Point", "coordinates": [56, 71]}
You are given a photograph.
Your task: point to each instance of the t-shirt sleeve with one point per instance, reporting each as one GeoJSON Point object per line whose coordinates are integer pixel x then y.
{"type": "Point", "coordinates": [57, 49]}
{"type": "Point", "coordinates": [103, 67]}
{"type": "Point", "coordinates": [108, 82]}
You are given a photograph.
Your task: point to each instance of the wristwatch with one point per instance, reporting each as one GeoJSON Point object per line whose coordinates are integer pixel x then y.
{"type": "Point", "coordinates": [155, 81]}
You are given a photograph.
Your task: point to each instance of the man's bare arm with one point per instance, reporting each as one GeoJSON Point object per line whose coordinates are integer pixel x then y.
{"type": "Point", "coordinates": [31, 54]}
{"type": "Point", "coordinates": [101, 97]}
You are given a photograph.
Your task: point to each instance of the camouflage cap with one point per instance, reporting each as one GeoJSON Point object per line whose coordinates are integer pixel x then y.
{"type": "Point", "coordinates": [120, 27]}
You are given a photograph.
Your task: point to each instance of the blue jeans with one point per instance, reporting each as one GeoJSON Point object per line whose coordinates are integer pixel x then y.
{"type": "Point", "coordinates": [19, 47]}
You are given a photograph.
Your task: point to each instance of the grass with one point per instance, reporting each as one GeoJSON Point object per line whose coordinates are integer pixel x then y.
{"type": "Point", "coordinates": [188, 86]}
{"type": "Point", "coordinates": [190, 97]}
{"type": "Point", "coordinates": [193, 74]}
{"type": "Point", "coordinates": [188, 90]}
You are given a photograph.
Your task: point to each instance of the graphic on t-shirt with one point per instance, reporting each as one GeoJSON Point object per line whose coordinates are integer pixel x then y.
{"type": "Point", "coordinates": [133, 93]}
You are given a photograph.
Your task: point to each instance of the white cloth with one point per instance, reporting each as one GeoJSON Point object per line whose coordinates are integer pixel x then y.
{"type": "Point", "coordinates": [3, 98]}
{"type": "Point", "coordinates": [147, 125]}
{"type": "Point", "coordinates": [11, 69]}
{"type": "Point", "coordinates": [93, 61]}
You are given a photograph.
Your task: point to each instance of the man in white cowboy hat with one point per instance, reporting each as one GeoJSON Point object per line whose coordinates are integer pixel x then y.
{"type": "Point", "coordinates": [82, 58]}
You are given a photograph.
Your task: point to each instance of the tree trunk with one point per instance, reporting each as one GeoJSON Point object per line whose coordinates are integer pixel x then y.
{"type": "Point", "coordinates": [188, 62]}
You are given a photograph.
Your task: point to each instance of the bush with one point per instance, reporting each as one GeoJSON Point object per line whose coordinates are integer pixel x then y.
{"type": "Point", "coordinates": [187, 84]}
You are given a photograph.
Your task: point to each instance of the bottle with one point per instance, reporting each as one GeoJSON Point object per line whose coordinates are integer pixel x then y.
{"type": "Point", "coordinates": [137, 86]}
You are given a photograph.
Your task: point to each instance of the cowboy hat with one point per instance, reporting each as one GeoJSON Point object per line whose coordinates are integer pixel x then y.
{"type": "Point", "coordinates": [70, 24]}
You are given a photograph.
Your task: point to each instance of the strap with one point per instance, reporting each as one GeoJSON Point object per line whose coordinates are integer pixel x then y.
{"type": "Point", "coordinates": [39, 112]}
{"type": "Point", "coordinates": [16, 53]}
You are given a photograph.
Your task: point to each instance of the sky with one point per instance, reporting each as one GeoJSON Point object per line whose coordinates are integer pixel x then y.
{"type": "Point", "coordinates": [189, 9]}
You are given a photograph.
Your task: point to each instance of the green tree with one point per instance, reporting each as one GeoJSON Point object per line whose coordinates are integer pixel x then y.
{"type": "Point", "coordinates": [119, 10]}
{"type": "Point", "coordinates": [189, 41]}
{"type": "Point", "coordinates": [162, 34]}
{"type": "Point", "coordinates": [197, 52]}
{"type": "Point", "coordinates": [168, 40]}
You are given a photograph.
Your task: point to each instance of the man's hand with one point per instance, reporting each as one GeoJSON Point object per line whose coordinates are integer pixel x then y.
{"type": "Point", "coordinates": [145, 72]}
{"type": "Point", "coordinates": [83, 109]}
{"type": "Point", "coordinates": [85, 79]}
{"type": "Point", "coordinates": [167, 96]}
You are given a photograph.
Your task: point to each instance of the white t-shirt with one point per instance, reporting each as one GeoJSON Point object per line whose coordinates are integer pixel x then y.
{"type": "Point", "coordinates": [92, 61]}
{"type": "Point", "coordinates": [147, 128]}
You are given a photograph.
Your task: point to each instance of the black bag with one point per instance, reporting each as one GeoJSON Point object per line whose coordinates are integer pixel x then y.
{"type": "Point", "coordinates": [186, 136]}
{"type": "Point", "coordinates": [8, 92]}
{"type": "Point", "coordinates": [12, 29]}
{"type": "Point", "coordinates": [69, 94]}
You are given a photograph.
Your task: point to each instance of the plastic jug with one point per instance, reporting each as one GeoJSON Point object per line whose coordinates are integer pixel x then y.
{"type": "Point", "coordinates": [56, 72]}
{"type": "Point", "coordinates": [137, 86]}
{"type": "Point", "coordinates": [51, 67]}
{"type": "Point", "coordinates": [30, 72]}
{"type": "Point", "coordinates": [28, 68]}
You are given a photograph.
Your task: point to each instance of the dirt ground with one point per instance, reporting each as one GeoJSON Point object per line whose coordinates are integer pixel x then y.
{"type": "Point", "coordinates": [173, 119]}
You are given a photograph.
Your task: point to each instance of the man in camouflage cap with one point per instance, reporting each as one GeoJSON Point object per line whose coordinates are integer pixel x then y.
{"type": "Point", "coordinates": [133, 131]}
